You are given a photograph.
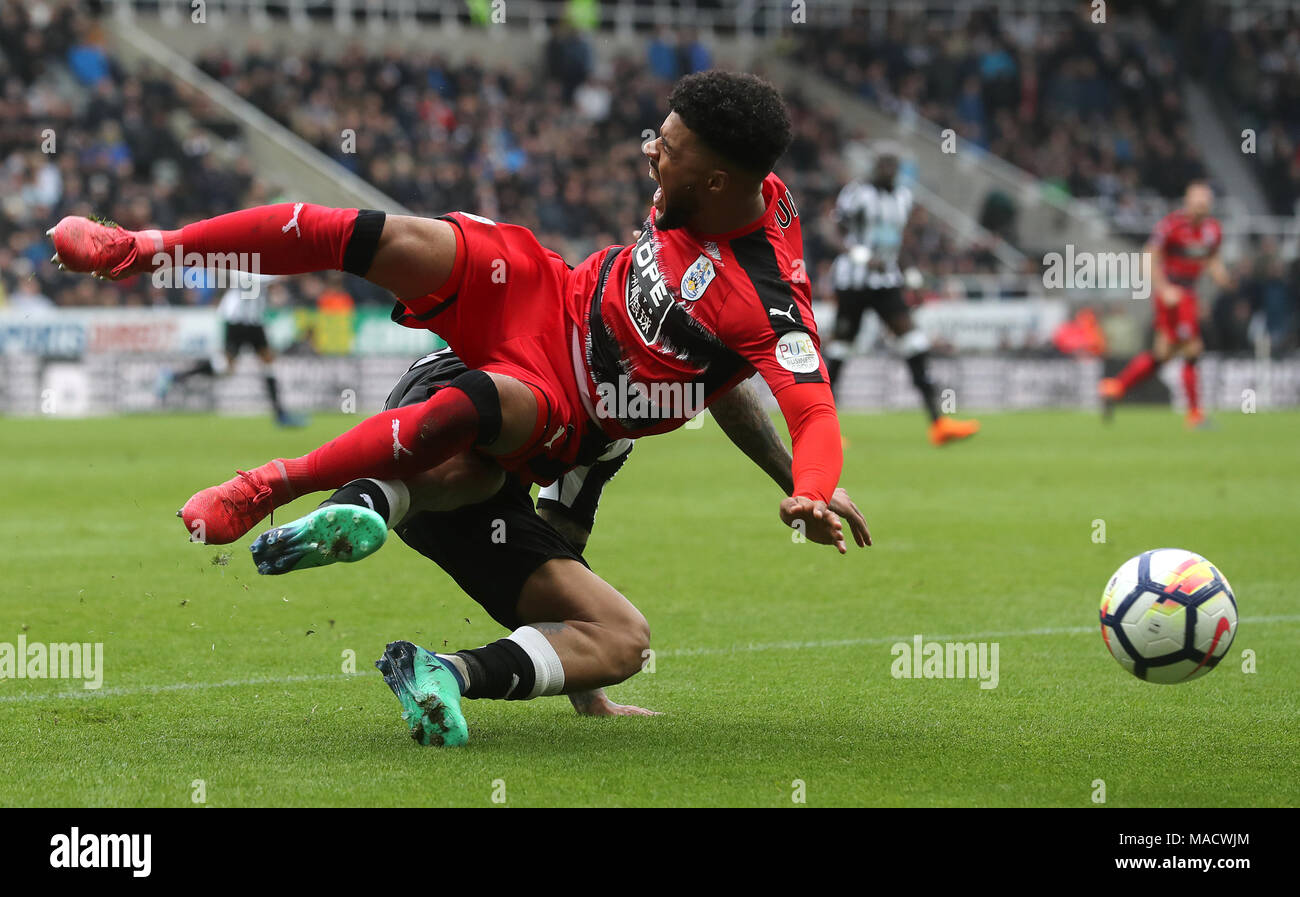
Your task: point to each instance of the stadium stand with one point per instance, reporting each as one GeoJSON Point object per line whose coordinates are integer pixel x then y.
{"type": "Point", "coordinates": [1095, 113]}
{"type": "Point", "coordinates": [559, 153]}
{"type": "Point", "coordinates": [1259, 88]}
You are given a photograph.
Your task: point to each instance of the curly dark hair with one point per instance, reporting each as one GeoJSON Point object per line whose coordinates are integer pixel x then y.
{"type": "Point", "coordinates": [740, 117]}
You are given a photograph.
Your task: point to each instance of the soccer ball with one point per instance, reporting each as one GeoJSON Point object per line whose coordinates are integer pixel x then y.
{"type": "Point", "coordinates": [1168, 616]}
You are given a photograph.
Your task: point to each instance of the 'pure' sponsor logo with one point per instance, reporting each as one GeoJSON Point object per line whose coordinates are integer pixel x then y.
{"type": "Point", "coordinates": [78, 851]}
{"type": "Point", "coordinates": [796, 352]}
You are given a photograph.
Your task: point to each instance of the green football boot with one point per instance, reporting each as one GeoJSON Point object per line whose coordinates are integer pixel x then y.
{"type": "Point", "coordinates": [429, 692]}
{"type": "Point", "coordinates": [327, 535]}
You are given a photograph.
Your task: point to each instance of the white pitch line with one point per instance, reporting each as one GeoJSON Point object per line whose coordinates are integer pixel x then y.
{"type": "Point", "coordinates": [129, 690]}
{"type": "Point", "coordinates": [889, 640]}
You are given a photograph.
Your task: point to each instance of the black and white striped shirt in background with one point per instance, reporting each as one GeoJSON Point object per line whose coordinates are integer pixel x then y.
{"type": "Point", "coordinates": [873, 222]}
{"type": "Point", "coordinates": [246, 306]}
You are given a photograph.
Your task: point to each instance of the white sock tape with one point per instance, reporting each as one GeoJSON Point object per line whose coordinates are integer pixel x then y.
{"type": "Point", "coordinates": [548, 672]}
{"type": "Point", "coordinates": [399, 499]}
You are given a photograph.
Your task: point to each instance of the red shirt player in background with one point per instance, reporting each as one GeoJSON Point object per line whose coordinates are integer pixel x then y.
{"type": "Point", "coordinates": [1185, 243]}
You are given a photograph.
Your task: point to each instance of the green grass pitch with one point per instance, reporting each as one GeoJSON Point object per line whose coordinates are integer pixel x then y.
{"type": "Point", "coordinates": [773, 658]}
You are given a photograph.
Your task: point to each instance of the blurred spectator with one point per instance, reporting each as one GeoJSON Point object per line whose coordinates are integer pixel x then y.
{"type": "Point", "coordinates": [1274, 295]}
{"type": "Point", "coordinates": [1256, 71]}
{"type": "Point", "coordinates": [560, 155]}
{"type": "Point", "coordinates": [27, 297]}
{"type": "Point", "coordinates": [1265, 303]}
{"type": "Point", "coordinates": [79, 136]}
{"type": "Point", "coordinates": [1095, 111]}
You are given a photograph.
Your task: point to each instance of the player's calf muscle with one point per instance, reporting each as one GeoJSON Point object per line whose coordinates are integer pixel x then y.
{"type": "Point", "coordinates": [465, 479]}
{"type": "Point", "coordinates": [600, 637]}
{"type": "Point", "coordinates": [414, 256]}
{"type": "Point", "coordinates": [596, 654]}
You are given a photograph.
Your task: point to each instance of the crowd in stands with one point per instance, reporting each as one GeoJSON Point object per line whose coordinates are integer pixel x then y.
{"type": "Point", "coordinates": [1256, 72]}
{"type": "Point", "coordinates": [1263, 308]}
{"type": "Point", "coordinates": [1095, 112]}
{"type": "Point", "coordinates": [560, 154]}
{"type": "Point", "coordinates": [80, 136]}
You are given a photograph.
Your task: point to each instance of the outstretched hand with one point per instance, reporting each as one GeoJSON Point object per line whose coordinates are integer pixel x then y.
{"type": "Point", "coordinates": [841, 504]}
{"type": "Point", "coordinates": [815, 520]}
{"type": "Point", "coordinates": [820, 521]}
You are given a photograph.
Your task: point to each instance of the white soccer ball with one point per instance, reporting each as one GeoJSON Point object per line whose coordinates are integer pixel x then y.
{"type": "Point", "coordinates": [1168, 616]}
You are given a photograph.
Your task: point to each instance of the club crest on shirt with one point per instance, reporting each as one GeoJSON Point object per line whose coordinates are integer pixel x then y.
{"type": "Point", "coordinates": [697, 278]}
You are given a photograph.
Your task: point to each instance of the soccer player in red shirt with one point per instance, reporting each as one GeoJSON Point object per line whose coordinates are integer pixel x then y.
{"type": "Point", "coordinates": [634, 341]}
{"type": "Point", "coordinates": [1185, 243]}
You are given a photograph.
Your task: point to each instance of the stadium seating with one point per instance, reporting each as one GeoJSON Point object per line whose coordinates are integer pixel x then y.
{"type": "Point", "coordinates": [1095, 112]}
{"type": "Point", "coordinates": [559, 153]}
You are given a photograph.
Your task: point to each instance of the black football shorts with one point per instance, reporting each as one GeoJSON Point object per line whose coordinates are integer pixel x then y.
{"type": "Point", "coordinates": [491, 548]}
{"type": "Point", "coordinates": [240, 335]}
{"type": "Point", "coordinates": [850, 305]}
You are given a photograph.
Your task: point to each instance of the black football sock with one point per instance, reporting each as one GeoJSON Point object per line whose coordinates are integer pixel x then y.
{"type": "Point", "coordinates": [203, 369]}
{"type": "Point", "coordinates": [833, 366]}
{"type": "Point", "coordinates": [273, 393]}
{"type": "Point", "coordinates": [521, 666]}
{"type": "Point", "coordinates": [918, 364]}
{"type": "Point", "coordinates": [500, 670]}
{"type": "Point", "coordinates": [390, 499]}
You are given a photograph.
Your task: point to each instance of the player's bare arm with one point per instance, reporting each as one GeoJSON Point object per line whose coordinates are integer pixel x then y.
{"type": "Point", "coordinates": [741, 416]}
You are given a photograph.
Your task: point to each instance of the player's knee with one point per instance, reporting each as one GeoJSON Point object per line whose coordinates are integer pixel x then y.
{"type": "Point", "coordinates": [630, 645]}
{"type": "Point", "coordinates": [902, 327]}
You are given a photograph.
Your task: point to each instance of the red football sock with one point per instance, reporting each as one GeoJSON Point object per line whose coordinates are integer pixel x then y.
{"type": "Point", "coordinates": [1192, 385]}
{"type": "Point", "coordinates": [391, 445]}
{"type": "Point", "coordinates": [1137, 370]}
{"type": "Point", "coordinates": [287, 237]}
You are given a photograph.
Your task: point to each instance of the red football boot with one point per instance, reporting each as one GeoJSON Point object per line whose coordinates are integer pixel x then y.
{"type": "Point", "coordinates": [105, 250]}
{"type": "Point", "coordinates": [221, 514]}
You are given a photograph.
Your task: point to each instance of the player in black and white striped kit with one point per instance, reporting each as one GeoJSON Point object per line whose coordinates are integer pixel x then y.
{"type": "Point", "coordinates": [873, 217]}
{"type": "Point", "coordinates": [242, 311]}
